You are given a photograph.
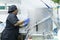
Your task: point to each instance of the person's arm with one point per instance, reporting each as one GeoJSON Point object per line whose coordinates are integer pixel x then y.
{"type": "Point", "coordinates": [14, 20]}
{"type": "Point", "coordinates": [19, 23]}
{"type": "Point", "coordinates": [22, 23]}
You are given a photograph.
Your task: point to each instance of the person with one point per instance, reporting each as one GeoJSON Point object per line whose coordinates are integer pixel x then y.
{"type": "Point", "coordinates": [11, 30]}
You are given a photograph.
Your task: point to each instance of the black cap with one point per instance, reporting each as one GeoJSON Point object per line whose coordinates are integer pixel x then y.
{"type": "Point", "coordinates": [12, 8]}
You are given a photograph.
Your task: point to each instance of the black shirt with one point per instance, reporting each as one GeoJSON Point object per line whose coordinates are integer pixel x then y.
{"type": "Point", "coordinates": [11, 20]}
{"type": "Point", "coordinates": [10, 32]}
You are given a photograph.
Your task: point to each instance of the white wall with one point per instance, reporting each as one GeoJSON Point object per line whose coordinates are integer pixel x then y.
{"type": "Point", "coordinates": [3, 16]}
{"type": "Point", "coordinates": [10, 1]}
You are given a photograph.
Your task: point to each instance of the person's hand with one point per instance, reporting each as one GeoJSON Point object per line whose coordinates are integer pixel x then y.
{"type": "Point", "coordinates": [26, 22]}
{"type": "Point", "coordinates": [21, 26]}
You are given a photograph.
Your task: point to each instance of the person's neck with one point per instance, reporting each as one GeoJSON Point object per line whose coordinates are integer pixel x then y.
{"type": "Point", "coordinates": [14, 13]}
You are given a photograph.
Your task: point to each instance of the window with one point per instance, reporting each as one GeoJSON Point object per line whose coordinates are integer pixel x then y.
{"type": "Point", "coordinates": [2, 7]}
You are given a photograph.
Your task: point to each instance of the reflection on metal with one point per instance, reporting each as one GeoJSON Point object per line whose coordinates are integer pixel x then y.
{"type": "Point", "coordinates": [45, 4]}
{"type": "Point", "coordinates": [42, 37]}
{"type": "Point", "coordinates": [42, 18]}
{"type": "Point", "coordinates": [56, 17]}
{"type": "Point", "coordinates": [39, 22]}
{"type": "Point", "coordinates": [36, 27]}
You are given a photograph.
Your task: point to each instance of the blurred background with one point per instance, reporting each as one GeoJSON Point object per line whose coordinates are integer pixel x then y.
{"type": "Point", "coordinates": [44, 18]}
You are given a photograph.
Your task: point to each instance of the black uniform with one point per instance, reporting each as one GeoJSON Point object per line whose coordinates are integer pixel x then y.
{"type": "Point", "coordinates": [10, 32]}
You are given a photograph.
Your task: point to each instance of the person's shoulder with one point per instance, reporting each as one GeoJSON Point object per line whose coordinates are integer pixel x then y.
{"type": "Point", "coordinates": [11, 15]}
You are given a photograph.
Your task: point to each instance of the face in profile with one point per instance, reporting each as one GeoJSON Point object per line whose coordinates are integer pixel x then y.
{"type": "Point", "coordinates": [16, 11]}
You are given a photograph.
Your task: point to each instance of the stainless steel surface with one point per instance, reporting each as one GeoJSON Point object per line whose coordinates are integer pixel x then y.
{"type": "Point", "coordinates": [39, 15]}
{"type": "Point", "coordinates": [43, 17]}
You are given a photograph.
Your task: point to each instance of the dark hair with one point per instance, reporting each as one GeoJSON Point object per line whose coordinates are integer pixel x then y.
{"type": "Point", "coordinates": [12, 8]}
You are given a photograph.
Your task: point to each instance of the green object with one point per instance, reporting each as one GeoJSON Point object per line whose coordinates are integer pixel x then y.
{"type": "Point", "coordinates": [37, 38]}
{"type": "Point", "coordinates": [2, 7]}
{"type": "Point", "coordinates": [56, 1]}
{"type": "Point", "coordinates": [55, 39]}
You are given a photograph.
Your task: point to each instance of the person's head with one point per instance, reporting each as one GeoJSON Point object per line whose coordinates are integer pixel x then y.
{"type": "Point", "coordinates": [13, 9]}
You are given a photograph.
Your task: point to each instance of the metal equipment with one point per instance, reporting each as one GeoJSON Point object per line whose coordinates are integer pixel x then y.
{"type": "Point", "coordinates": [40, 23]}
